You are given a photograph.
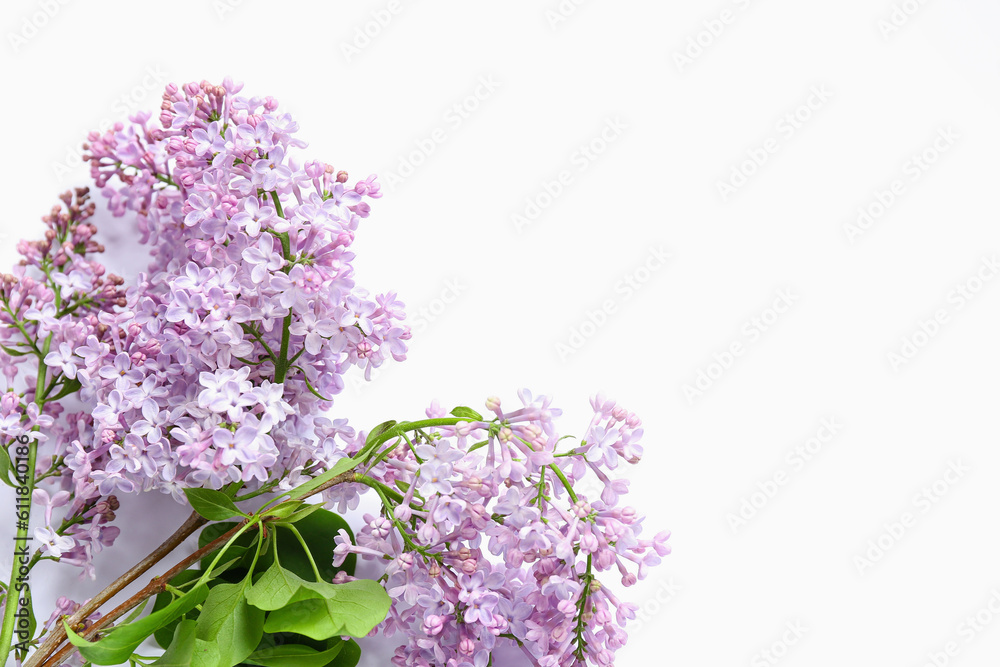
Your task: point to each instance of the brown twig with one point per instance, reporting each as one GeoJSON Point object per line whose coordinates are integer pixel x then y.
{"type": "Point", "coordinates": [154, 587]}
{"type": "Point", "coordinates": [58, 635]}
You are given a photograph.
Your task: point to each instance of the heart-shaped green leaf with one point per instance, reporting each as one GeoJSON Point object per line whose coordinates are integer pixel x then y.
{"type": "Point", "coordinates": [352, 609]}
{"type": "Point", "coordinates": [275, 589]}
{"type": "Point", "coordinates": [227, 621]}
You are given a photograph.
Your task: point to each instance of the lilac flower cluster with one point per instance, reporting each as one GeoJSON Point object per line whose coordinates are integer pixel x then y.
{"type": "Point", "coordinates": [486, 541]}
{"type": "Point", "coordinates": [56, 297]}
{"type": "Point", "coordinates": [216, 367]}
{"type": "Point", "coordinates": [189, 375]}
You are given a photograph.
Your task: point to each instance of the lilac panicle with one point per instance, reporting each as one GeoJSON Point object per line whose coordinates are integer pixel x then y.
{"type": "Point", "coordinates": [487, 538]}
{"type": "Point", "coordinates": [217, 366]}
{"type": "Point", "coordinates": [187, 376]}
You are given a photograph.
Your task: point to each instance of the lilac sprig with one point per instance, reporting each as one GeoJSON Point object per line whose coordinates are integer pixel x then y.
{"type": "Point", "coordinates": [187, 376]}
{"type": "Point", "coordinates": [249, 306]}
{"type": "Point", "coordinates": [485, 541]}
{"type": "Point", "coordinates": [216, 368]}
{"type": "Point", "coordinates": [54, 297]}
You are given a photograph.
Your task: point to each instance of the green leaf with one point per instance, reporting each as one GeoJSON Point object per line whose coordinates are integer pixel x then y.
{"type": "Point", "coordinates": [349, 657]}
{"type": "Point", "coordinates": [119, 644]}
{"type": "Point", "coordinates": [136, 613]}
{"type": "Point", "coordinates": [319, 530]}
{"type": "Point", "coordinates": [165, 635]}
{"type": "Point", "coordinates": [275, 589]}
{"type": "Point", "coordinates": [68, 387]}
{"type": "Point", "coordinates": [5, 467]}
{"type": "Point", "coordinates": [15, 353]}
{"type": "Point", "coordinates": [296, 655]}
{"type": "Point", "coordinates": [479, 445]}
{"type": "Point", "coordinates": [284, 510]}
{"type": "Point", "coordinates": [379, 431]}
{"type": "Point", "coordinates": [241, 549]}
{"type": "Point", "coordinates": [351, 609]}
{"type": "Point", "coordinates": [309, 386]}
{"type": "Point", "coordinates": [213, 505]}
{"type": "Point", "coordinates": [180, 652]}
{"type": "Point", "coordinates": [278, 588]}
{"type": "Point", "coordinates": [32, 623]}
{"type": "Point", "coordinates": [214, 531]}
{"type": "Point", "coordinates": [225, 567]}
{"type": "Point", "coordinates": [303, 512]}
{"type": "Point", "coordinates": [340, 467]}
{"type": "Point", "coordinates": [207, 654]}
{"type": "Point", "coordinates": [227, 621]}
{"type": "Point", "coordinates": [463, 412]}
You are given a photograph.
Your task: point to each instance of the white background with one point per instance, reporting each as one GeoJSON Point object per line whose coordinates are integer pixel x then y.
{"type": "Point", "coordinates": [726, 594]}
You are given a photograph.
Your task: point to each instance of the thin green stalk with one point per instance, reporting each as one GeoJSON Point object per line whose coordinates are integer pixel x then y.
{"type": "Point", "coordinates": [581, 625]}
{"type": "Point", "coordinates": [305, 547]}
{"type": "Point", "coordinates": [21, 538]}
{"type": "Point", "coordinates": [559, 473]}
{"type": "Point", "coordinates": [281, 364]}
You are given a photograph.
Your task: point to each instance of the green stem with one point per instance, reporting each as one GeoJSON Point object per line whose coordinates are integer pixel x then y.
{"type": "Point", "coordinates": [305, 547]}
{"type": "Point", "coordinates": [20, 327]}
{"type": "Point", "coordinates": [256, 334]}
{"type": "Point", "coordinates": [277, 205]}
{"type": "Point", "coordinates": [381, 488]}
{"type": "Point", "coordinates": [559, 473]}
{"type": "Point", "coordinates": [581, 625]}
{"type": "Point", "coordinates": [397, 430]}
{"type": "Point", "coordinates": [390, 514]}
{"type": "Point", "coordinates": [21, 538]}
{"type": "Point", "coordinates": [281, 364]}
{"type": "Point", "coordinates": [267, 488]}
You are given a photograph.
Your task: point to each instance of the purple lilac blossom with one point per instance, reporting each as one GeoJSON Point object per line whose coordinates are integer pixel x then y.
{"type": "Point", "coordinates": [475, 558]}
{"type": "Point", "coordinates": [187, 376]}
{"type": "Point", "coordinates": [219, 364]}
